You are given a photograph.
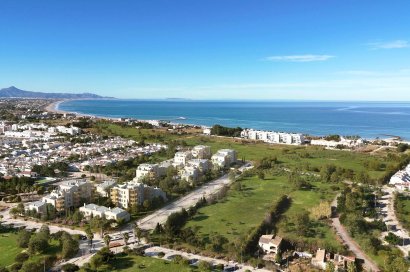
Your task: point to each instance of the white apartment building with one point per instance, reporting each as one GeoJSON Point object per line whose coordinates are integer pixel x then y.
{"type": "Point", "coordinates": [133, 193]}
{"type": "Point", "coordinates": [38, 206]}
{"type": "Point", "coordinates": [189, 173]}
{"type": "Point", "coordinates": [146, 170]}
{"type": "Point", "coordinates": [69, 194]}
{"type": "Point", "coordinates": [181, 158]}
{"type": "Point", "coordinates": [343, 142]}
{"type": "Point", "coordinates": [401, 180]}
{"type": "Point", "coordinates": [202, 165]}
{"type": "Point", "coordinates": [103, 189]}
{"type": "Point", "coordinates": [201, 152]}
{"type": "Point", "coordinates": [92, 210]}
{"type": "Point", "coordinates": [224, 158]}
{"type": "Point", "coordinates": [273, 137]}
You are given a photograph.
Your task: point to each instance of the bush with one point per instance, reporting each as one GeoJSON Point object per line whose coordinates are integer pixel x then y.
{"type": "Point", "coordinates": [21, 257]}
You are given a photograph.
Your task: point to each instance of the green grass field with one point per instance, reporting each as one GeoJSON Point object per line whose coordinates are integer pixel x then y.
{"type": "Point", "coordinates": [287, 155]}
{"type": "Point", "coordinates": [147, 264]}
{"type": "Point", "coordinates": [8, 248]}
{"type": "Point", "coordinates": [403, 210]}
{"type": "Point", "coordinates": [243, 210]}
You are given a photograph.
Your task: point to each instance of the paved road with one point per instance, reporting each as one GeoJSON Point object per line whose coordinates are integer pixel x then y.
{"type": "Point", "coordinates": [160, 216]}
{"type": "Point", "coordinates": [353, 246]}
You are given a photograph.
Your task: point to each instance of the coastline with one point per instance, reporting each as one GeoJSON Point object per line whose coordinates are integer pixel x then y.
{"type": "Point", "coordinates": [54, 108]}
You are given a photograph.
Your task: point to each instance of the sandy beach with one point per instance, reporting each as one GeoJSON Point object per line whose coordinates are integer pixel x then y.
{"type": "Point", "coordinates": [53, 107]}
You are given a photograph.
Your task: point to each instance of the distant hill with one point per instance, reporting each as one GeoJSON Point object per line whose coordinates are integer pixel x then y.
{"type": "Point", "coordinates": [13, 92]}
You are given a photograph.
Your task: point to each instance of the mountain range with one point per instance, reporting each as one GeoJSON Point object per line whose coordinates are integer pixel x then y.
{"type": "Point", "coordinates": [13, 92]}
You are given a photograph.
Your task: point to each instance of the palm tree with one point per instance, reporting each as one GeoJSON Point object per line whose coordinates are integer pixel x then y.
{"type": "Point", "coordinates": [137, 233]}
{"type": "Point", "coordinates": [125, 236]}
{"type": "Point", "coordinates": [107, 240]}
{"type": "Point", "coordinates": [90, 235]}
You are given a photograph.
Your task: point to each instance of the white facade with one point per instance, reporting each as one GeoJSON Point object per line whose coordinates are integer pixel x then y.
{"type": "Point", "coordinates": [401, 180]}
{"type": "Point", "coordinates": [189, 173]}
{"type": "Point", "coordinates": [273, 137]}
{"type": "Point", "coordinates": [92, 210]}
{"type": "Point", "coordinates": [202, 165]}
{"type": "Point", "coordinates": [104, 187]}
{"type": "Point", "coordinates": [146, 170]}
{"type": "Point", "coordinates": [70, 193]}
{"type": "Point", "coordinates": [343, 141]}
{"type": "Point", "coordinates": [201, 152]}
{"type": "Point", "coordinates": [37, 206]}
{"type": "Point", "coordinates": [270, 243]}
{"type": "Point", "coordinates": [181, 158]}
{"type": "Point", "coordinates": [224, 158]}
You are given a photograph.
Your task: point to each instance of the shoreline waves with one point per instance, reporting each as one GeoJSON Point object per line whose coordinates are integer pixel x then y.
{"type": "Point", "coordinates": [370, 120]}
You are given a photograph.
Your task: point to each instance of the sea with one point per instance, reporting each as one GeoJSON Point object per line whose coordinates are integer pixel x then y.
{"type": "Point", "coordinates": [369, 120]}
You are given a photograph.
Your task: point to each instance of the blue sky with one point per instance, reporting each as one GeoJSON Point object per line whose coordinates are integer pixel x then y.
{"type": "Point", "coordinates": [209, 49]}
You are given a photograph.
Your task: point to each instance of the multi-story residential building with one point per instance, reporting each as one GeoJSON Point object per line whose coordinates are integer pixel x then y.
{"type": "Point", "coordinates": [189, 173]}
{"type": "Point", "coordinates": [70, 193]}
{"type": "Point", "coordinates": [224, 158]}
{"type": "Point", "coordinates": [103, 189]}
{"type": "Point", "coordinates": [146, 170]}
{"type": "Point", "coordinates": [201, 152]}
{"type": "Point", "coordinates": [401, 179]}
{"type": "Point", "coordinates": [181, 158]}
{"type": "Point", "coordinates": [92, 210]}
{"type": "Point", "coordinates": [202, 165]}
{"type": "Point", "coordinates": [38, 206]}
{"type": "Point", "coordinates": [273, 137]}
{"type": "Point", "coordinates": [134, 193]}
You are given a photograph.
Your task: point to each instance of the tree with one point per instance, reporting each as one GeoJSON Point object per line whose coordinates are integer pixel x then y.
{"type": "Point", "coordinates": [126, 237]}
{"type": "Point", "coordinates": [21, 257]}
{"type": "Point", "coordinates": [38, 244]}
{"type": "Point", "coordinates": [352, 267]}
{"type": "Point", "coordinates": [137, 233]}
{"type": "Point", "coordinates": [107, 240]}
{"type": "Point", "coordinates": [302, 223]}
{"type": "Point", "coordinates": [69, 246]}
{"type": "Point", "coordinates": [90, 235]}
{"type": "Point", "coordinates": [69, 267]}
{"type": "Point", "coordinates": [204, 266]}
{"type": "Point", "coordinates": [32, 266]}
{"type": "Point", "coordinates": [45, 231]}
{"type": "Point", "coordinates": [23, 238]}
{"type": "Point", "coordinates": [330, 267]}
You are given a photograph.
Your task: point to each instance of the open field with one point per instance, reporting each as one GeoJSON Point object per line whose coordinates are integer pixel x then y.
{"type": "Point", "coordinates": [402, 209]}
{"type": "Point", "coordinates": [147, 264]}
{"type": "Point", "coordinates": [8, 248]}
{"type": "Point", "coordinates": [289, 156]}
{"type": "Point", "coordinates": [241, 211]}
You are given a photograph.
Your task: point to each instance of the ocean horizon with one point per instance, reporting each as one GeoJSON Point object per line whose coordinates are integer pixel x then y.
{"type": "Point", "coordinates": [368, 119]}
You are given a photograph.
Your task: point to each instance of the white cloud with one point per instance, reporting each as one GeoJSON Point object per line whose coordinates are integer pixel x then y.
{"type": "Point", "coordinates": [299, 58]}
{"type": "Point", "coordinates": [390, 44]}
